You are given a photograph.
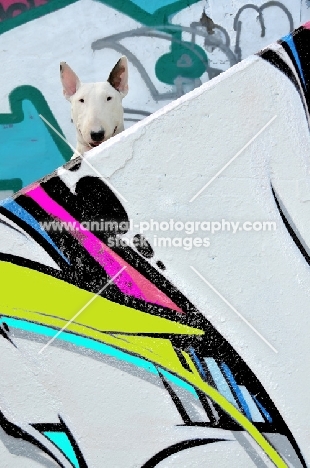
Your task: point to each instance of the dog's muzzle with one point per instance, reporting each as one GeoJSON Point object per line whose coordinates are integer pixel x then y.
{"type": "Point", "coordinates": [98, 138]}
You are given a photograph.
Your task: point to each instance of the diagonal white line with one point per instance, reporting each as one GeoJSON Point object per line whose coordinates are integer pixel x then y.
{"type": "Point", "coordinates": [234, 310]}
{"type": "Point", "coordinates": [81, 310]}
{"type": "Point", "coordinates": [232, 159]}
{"type": "Point", "coordinates": [59, 134]}
{"type": "Point", "coordinates": [84, 159]}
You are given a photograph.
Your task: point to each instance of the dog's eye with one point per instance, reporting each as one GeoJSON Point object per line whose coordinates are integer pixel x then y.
{"type": "Point", "coordinates": [109, 98]}
{"type": "Point", "coordinates": [81, 100]}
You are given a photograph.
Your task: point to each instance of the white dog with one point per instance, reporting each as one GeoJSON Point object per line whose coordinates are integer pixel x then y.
{"type": "Point", "coordinates": [96, 108]}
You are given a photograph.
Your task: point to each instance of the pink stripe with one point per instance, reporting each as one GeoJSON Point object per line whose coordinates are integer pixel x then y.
{"type": "Point", "coordinates": [306, 25]}
{"type": "Point", "coordinates": [112, 263]}
{"type": "Point", "coordinates": [7, 3]}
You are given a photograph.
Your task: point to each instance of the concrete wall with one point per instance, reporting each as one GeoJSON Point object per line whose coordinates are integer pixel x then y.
{"type": "Point", "coordinates": [121, 349]}
{"type": "Point", "coordinates": [171, 46]}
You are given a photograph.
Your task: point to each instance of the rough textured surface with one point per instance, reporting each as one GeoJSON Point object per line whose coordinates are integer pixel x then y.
{"type": "Point", "coordinates": [204, 362]}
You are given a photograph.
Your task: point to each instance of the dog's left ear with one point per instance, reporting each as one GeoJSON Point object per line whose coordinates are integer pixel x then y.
{"type": "Point", "coordinates": [119, 76]}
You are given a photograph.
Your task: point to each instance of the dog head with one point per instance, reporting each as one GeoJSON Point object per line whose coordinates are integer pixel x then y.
{"type": "Point", "coordinates": [96, 108]}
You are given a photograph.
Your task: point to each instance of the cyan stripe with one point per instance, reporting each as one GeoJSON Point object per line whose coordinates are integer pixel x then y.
{"type": "Point", "coordinates": [152, 6]}
{"type": "Point", "coordinates": [61, 440]}
{"type": "Point", "coordinates": [179, 382]}
{"type": "Point", "coordinates": [81, 341]}
{"type": "Point", "coordinates": [102, 348]}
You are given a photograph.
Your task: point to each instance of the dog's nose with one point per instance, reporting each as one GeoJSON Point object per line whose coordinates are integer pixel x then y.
{"type": "Point", "coordinates": [97, 136]}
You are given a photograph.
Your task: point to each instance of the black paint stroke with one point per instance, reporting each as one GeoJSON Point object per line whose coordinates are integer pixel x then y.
{"type": "Point", "coordinates": [179, 447]}
{"type": "Point", "coordinates": [2, 221]}
{"type": "Point", "coordinates": [143, 246]}
{"type": "Point", "coordinates": [299, 244]}
{"type": "Point", "coordinates": [94, 200]}
{"type": "Point", "coordinates": [272, 57]}
{"type": "Point", "coordinates": [62, 427]}
{"type": "Point", "coordinates": [301, 39]}
{"type": "Point", "coordinates": [176, 400]}
{"type": "Point", "coordinates": [18, 433]}
{"type": "Point", "coordinates": [4, 331]}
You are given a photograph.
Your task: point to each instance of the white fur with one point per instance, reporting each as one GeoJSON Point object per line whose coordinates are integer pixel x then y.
{"type": "Point", "coordinates": [96, 107]}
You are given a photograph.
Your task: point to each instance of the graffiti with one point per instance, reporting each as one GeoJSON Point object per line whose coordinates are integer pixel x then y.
{"type": "Point", "coordinates": [141, 320]}
{"type": "Point", "coordinates": [10, 9]}
{"type": "Point", "coordinates": [55, 438]}
{"type": "Point", "coordinates": [292, 60]}
{"type": "Point", "coordinates": [168, 69]}
{"type": "Point", "coordinates": [186, 62]}
{"type": "Point", "coordinates": [260, 17]}
{"type": "Point", "coordinates": [42, 152]}
{"type": "Point", "coordinates": [154, 461]}
{"type": "Point", "coordinates": [183, 66]}
{"type": "Point", "coordinates": [183, 55]}
{"type": "Point", "coordinates": [13, 14]}
{"type": "Point", "coordinates": [141, 336]}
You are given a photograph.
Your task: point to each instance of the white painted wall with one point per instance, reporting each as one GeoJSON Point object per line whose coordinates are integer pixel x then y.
{"type": "Point", "coordinates": [262, 274]}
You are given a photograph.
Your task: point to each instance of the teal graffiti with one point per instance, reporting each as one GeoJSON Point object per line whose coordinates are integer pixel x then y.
{"type": "Point", "coordinates": [29, 149]}
{"type": "Point", "coordinates": [11, 185]}
{"type": "Point", "coordinates": [153, 7]}
{"type": "Point", "coordinates": [150, 13]}
{"type": "Point", "coordinates": [186, 60]}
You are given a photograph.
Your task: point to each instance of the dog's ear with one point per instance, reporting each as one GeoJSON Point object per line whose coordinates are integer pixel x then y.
{"type": "Point", "coordinates": [119, 76]}
{"type": "Point", "coordinates": [69, 79]}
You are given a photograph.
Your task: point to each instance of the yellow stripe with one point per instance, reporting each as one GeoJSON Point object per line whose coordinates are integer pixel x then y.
{"type": "Point", "coordinates": [26, 293]}
{"type": "Point", "coordinates": [196, 380]}
{"type": "Point", "coordinates": [29, 294]}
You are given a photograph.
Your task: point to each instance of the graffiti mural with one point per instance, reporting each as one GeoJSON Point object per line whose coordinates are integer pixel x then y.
{"type": "Point", "coordinates": [173, 47]}
{"type": "Point", "coordinates": [138, 319]}
{"type": "Point", "coordinates": [141, 333]}
{"type": "Point", "coordinates": [149, 349]}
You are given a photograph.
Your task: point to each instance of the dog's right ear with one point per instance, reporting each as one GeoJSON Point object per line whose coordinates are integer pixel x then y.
{"type": "Point", "coordinates": [69, 79]}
